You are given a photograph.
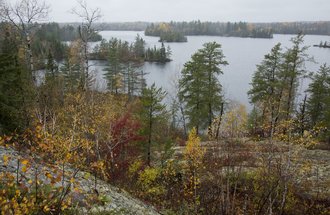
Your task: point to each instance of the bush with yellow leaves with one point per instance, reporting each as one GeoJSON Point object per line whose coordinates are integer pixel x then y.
{"type": "Point", "coordinates": [193, 157]}
{"type": "Point", "coordinates": [149, 182]}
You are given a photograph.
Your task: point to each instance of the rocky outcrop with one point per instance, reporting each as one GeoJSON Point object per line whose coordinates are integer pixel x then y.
{"type": "Point", "coordinates": [309, 168]}
{"type": "Point", "coordinates": [116, 201]}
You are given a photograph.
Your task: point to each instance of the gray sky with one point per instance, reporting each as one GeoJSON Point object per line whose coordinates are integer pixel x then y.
{"type": "Point", "coordinates": [205, 10]}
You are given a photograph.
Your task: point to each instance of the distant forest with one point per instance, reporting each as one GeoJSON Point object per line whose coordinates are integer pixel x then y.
{"type": "Point", "coordinates": [308, 28]}
{"type": "Point", "coordinates": [240, 29]}
{"type": "Point", "coordinates": [220, 28]}
{"type": "Point", "coordinates": [114, 26]}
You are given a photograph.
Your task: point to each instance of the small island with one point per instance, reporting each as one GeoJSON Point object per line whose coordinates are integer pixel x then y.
{"type": "Point", "coordinates": [116, 50]}
{"type": "Point", "coordinates": [323, 45]}
{"type": "Point", "coordinates": [165, 33]}
{"type": "Point", "coordinates": [158, 55]}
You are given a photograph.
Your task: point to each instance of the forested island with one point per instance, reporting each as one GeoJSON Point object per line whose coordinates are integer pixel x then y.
{"type": "Point", "coordinates": [166, 33]}
{"type": "Point", "coordinates": [125, 51]}
{"type": "Point", "coordinates": [68, 148]}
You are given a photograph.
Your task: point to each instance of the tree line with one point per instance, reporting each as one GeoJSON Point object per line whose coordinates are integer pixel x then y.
{"type": "Point", "coordinates": [181, 29]}
{"type": "Point", "coordinates": [307, 28]}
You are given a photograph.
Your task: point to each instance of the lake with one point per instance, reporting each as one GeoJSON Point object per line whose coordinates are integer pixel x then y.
{"type": "Point", "coordinates": [242, 54]}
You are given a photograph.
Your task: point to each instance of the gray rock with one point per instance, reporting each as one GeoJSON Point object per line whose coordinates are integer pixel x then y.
{"type": "Point", "coordinates": [115, 200]}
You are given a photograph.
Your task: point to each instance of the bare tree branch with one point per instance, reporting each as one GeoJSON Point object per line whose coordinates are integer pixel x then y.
{"type": "Point", "coordinates": [22, 16]}
{"type": "Point", "coordinates": [24, 12]}
{"type": "Point", "coordinates": [86, 31]}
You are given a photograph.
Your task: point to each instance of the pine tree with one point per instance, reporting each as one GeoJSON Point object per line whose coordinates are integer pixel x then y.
{"type": "Point", "coordinates": [153, 112]}
{"type": "Point", "coordinates": [14, 93]}
{"type": "Point", "coordinates": [200, 89]}
{"type": "Point", "coordinates": [113, 73]}
{"type": "Point", "coordinates": [266, 92]}
{"type": "Point", "coordinates": [213, 58]}
{"type": "Point", "coordinates": [139, 47]}
{"type": "Point", "coordinates": [162, 53]}
{"type": "Point", "coordinates": [191, 92]}
{"type": "Point", "coordinates": [51, 67]}
{"type": "Point", "coordinates": [318, 102]}
{"type": "Point", "coordinates": [71, 75]}
{"type": "Point", "coordinates": [293, 69]}
{"type": "Point", "coordinates": [132, 81]}
{"type": "Point", "coordinates": [168, 52]}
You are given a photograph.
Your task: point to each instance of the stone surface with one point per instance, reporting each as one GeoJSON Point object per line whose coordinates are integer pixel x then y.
{"type": "Point", "coordinates": [116, 201]}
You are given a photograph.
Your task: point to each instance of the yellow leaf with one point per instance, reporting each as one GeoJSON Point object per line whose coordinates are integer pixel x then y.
{"type": "Point", "coordinates": [87, 175]}
{"type": "Point", "coordinates": [24, 162]}
{"type": "Point", "coordinates": [71, 180]}
{"type": "Point", "coordinates": [64, 207]}
{"type": "Point", "coordinates": [46, 208]}
{"type": "Point", "coordinates": [5, 159]}
{"type": "Point", "coordinates": [30, 181]}
{"type": "Point", "coordinates": [24, 169]}
{"type": "Point", "coordinates": [48, 175]}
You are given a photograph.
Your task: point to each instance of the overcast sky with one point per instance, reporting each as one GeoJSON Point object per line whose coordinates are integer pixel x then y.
{"type": "Point", "coordinates": [204, 10]}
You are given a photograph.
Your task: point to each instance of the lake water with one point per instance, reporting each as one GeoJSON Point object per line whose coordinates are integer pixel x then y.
{"type": "Point", "coordinates": [242, 54]}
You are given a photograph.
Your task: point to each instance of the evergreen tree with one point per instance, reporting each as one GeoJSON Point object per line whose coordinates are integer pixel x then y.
{"type": "Point", "coordinates": [213, 58]}
{"type": "Point", "coordinates": [162, 53]}
{"type": "Point", "coordinates": [71, 75]}
{"type": "Point", "coordinates": [168, 52]}
{"type": "Point", "coordinates": [153, 112]}
{"type": "Point", "coordinates": [132, 80]}
{"type": "Point", "coordinates": [192, 90]}
{"type": "Point", "coordinates": [113, 71]}
{"type": "Point", "coordinates": [200, 89]}
{"type": "Point", "coordinates": [266, 92]}
{"type": "Point", "coordinates": [293, 69]}
{"type": "Point", "coordinates": [139, 47]}
{"type": "Point", "coordinates": [51, 67]}
{"type": "Point", "coordinates": [318, 102]}
{"type": "Point", "coordinates": [274, 84]}
{"type": "Point", "coordinates": [14, 91]}
{"type": "Point", "coordinates": [301, 116]}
